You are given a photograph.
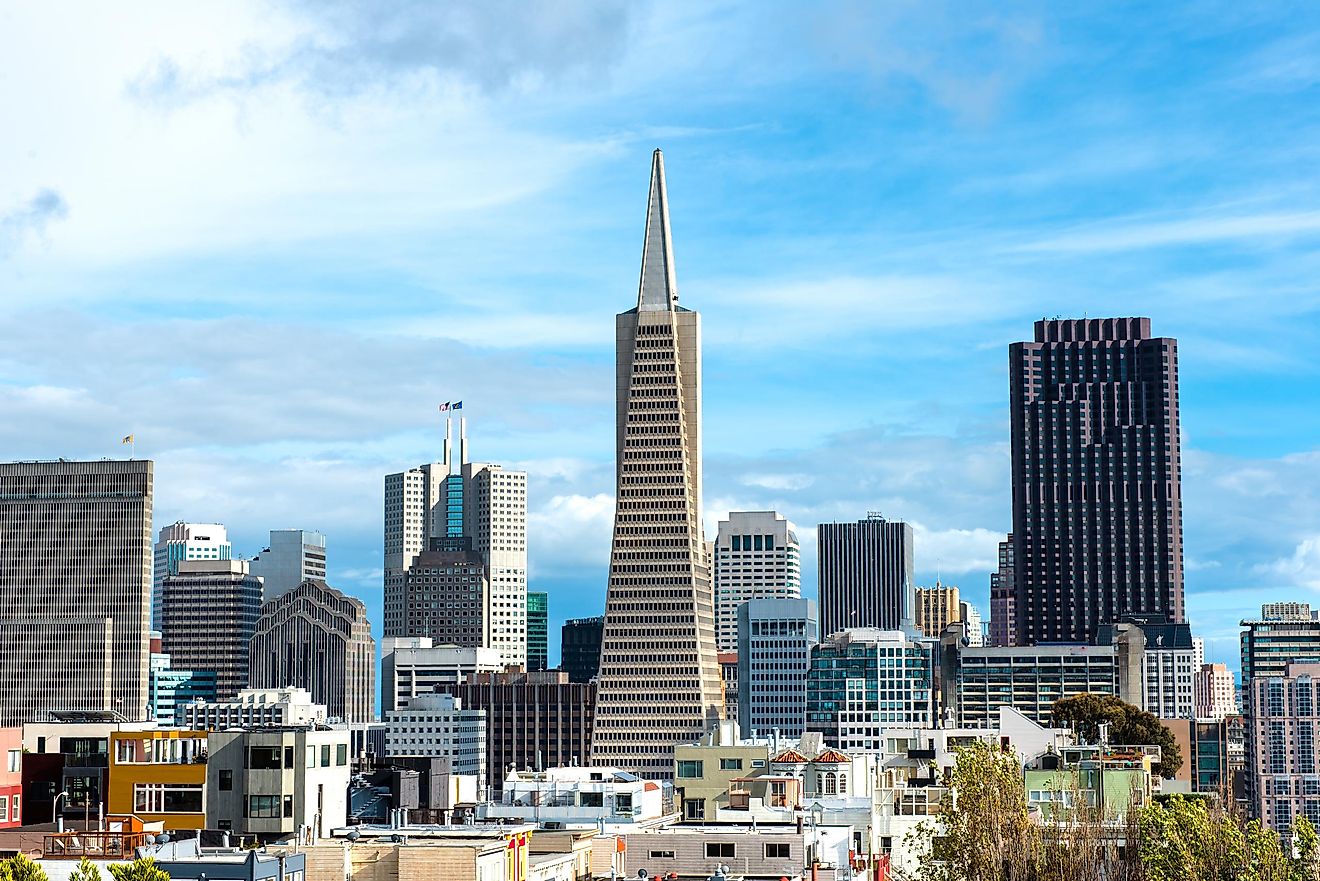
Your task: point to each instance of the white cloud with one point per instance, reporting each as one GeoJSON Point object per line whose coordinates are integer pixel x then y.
{"type": "Point", "coordinates": [1302, 568]}
{"type": "Point", "coordinates": [958, 551]}
{"type": "Point", "coordinates": [568, 533]}
{"type": "Point", "coordinates": [1138, 233]}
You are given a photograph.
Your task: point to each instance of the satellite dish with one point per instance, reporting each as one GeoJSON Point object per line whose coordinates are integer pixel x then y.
{"type": "Point", "coordinates": [163, 838]}
{"type": "Point", "coordinates": [353, 835]}
{"type": "Point", "coordinates": [641, 873]}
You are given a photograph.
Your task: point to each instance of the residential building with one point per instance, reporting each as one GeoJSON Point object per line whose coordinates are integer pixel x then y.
{"type": "Point", "coordinates": [775, 638]}
{"type": "Point", "coordinates": [256, 707]}
{"type": "Point", "coordinates": [75, 593]}
{"type": "Point", "coordinates": [1097, 478]}
{"type": "Point", "coordinates": [482, 502]}
{"type": "Point", "coordinates": [610, 799]}
{"type": "Point", "coordinates": [757, 852]}
{"type": "Point", "coordinates": [467, 852]}
{"type": "Point", "coordinates": [315, 637]}
{"type": "Point", "coordinates": [1171, 658]}
{"type": "Point", "coordinates": [1283, 778]}
{"type": "Point", "coordinates": [1114, 778]}
{"type": "Point", "coordinates": [865, 575]}
{"type": "Point", "coordinates": [538, 631]}
{"type": "Point", "coordinates": [1003, 598]}
{"type": "Point", "coordinates": [159, 776]}
{"type": "Point", "coordinates": [438, 725]}
{"type": "Point", "coordinates": [70, 754]}
{"type": "Point", "coordinates": [184, 541]}
{"type": "Point", "coordinates": [659, 681]}
{"type": "Point", "coordinates": [579, 646]}
{"type": "Point", "coordinates": [414, 665]}
{"type": "Point", "coordinates": [756, 557]}
{"type": "Point", "coordinates": [975, 628]}
{"type": "Point", "coordinates": [729, 679]}
{"type": "Point", "coordinates": [865, 679]}
{"type": "Point", "coordinates": [705, 769]}
{"type": "Point", "coordinates": [533, 720]}
{"type": "Point", "coordinates": [294, 556]}
{"type": "Point", "coordinates": [937, 607]}
{"type": "Point", "coordinates": [209, 611]}
{"type": "Point", "coordinates": [171, 690]}
{"type": "Point", "coordinates": [1216, 693]}
{"type": "Point", "coordinates": [11, 778]}
{"type": "Point", "coordinates": [277, 784]}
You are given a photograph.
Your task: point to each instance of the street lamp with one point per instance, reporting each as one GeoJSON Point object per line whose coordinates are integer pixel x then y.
{"type": "Point", "coordinates": [55, 811]}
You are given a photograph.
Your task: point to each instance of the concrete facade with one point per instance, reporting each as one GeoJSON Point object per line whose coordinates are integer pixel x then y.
{"type": "Point", "coordinates": [756, 555]}
{"type": "Point", "coordinates": [775, 638]}
{"type": "Point", "coordinates": [293, 556]}
{"type": "Point", "coordinates": [415, 665]}
{"type": "Point", "coordinates": [209, 611]}
{"type": "Point", "coordinates": [184, 541]}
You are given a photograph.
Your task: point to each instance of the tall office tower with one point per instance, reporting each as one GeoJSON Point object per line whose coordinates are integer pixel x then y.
{"type": "Point", "coordinates": [579, 647]}
{"type": "Point", "coordinates": [865, 571]}
{"type": "Point", "coordinates": [1097, 478]}
{"type": "Point", "coordinates": [1282, 770]}
{"type": "Point", "coordinates": [1003, 626]}
{"type": "Point", "coordinates": [659, 675]}
{"type": "Point", "coordinates": [1216, 696]}
{"type": "Point", "coordinates": [75, 588]}
{"type": "Point", "coordinates": [1285, 632]}
{"type": "Point", "coordinates": [756, 554]}
{"type": "Point", "coordinates": [969, 615]}
{"type": "Point", "coordinates": [729, 679]}
{"type": "Point", "coordinates": [484, 503]}
{"type": "Point", "coordinates": [446, 594]}
{"type": "Point", "coordinates": [775, 637]}
{"type": "Point", "coordinates": [315, 637]}
{"type": "Point", "coordinates": [185, 541]}
{"type": "Point", "coordinates": [439, 725]}
{"type": "Point", "coordinates": [538, 631]}
{"type": "Point", "coordinates": [414, 665]}
{"type": "Point", "coordinates": [864, 680]}
{"type": "Point", "coordinates": [937, 608]}
{"type": "Point", "coordinates": [294, 556]}
{"type": "Point", "coordinates": [209, 613]}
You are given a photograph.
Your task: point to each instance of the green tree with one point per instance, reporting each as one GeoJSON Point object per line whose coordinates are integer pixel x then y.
{"type": "Point", "coordinates": [1128, 725]}
{"type": "Point", "coordinates": [144, 869]}
{"type": "Point", "coordinates": [20, 868]}
{"type": "Point", "coordinates": [86, 871]}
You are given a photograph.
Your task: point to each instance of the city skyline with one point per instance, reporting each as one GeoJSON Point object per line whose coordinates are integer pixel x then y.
{"type": "Point", "coordinates": [156, 305]}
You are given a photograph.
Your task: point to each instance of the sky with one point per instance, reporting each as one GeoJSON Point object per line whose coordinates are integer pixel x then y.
{"type": "Point", "coordinates": [268, 238]}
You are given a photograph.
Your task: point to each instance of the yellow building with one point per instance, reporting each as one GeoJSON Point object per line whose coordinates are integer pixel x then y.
{"type": "Point", "coordinates": [159, 776]}
{"type": "Point", "coordinates": [937, 608]}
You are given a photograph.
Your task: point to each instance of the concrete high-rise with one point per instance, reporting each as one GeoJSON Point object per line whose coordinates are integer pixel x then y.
{"type": "Point", "coordinates": [775, 638]}
{"type": "Point", "coordinates": [1097, 478]}
{"type": "Point", "coordinates": [315, 637]}
{"type": "Point", "coordinates": [659, 682]}
{"type": "Point", "coordinates": [865, 572]}
{"type": "Point", "coordinates": [208, 616]}
{"type": "Point", "coordinates": [1216, 696]}
{"type": "Point", "coordinates": [294, 556]}
{"type": "Point", "coordinates": [1003, 623]}
{"type": "Point", "coordinates": [447, 595]}
{"type": "Point", "coordinates": [184, 541]}
{"type": "Point", "coordinates": [485, 503]}
{"type": "Point", "coordinates": [756, 555]}
{"type": "Point", "coordinates": [75, 588]}
{"type": "Point", "coordinates": [538, 631]}
{"type": "Point", "coordinates": [937, 608]}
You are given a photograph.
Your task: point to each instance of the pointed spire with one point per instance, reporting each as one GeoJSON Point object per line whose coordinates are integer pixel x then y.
{"type": "Point", "coordinates": [658, 290]}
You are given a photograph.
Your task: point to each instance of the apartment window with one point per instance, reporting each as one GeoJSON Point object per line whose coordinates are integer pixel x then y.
{"type": "Point", "coordinates": [730, 764]}
{"type": "Point", "coordinates": [661, 855]}
{"type": "Point", "coordinates": [341, 754]}
{"type": "Point", "coordinates": [776, 851]}
{"type": "Point", "coordinates": [226, 780]}
{"type": "Point", "coordinates": [264, 758]}
{"type": "Point", "coordinates": [694, 809]}
{"type": "Point", "coordinates": [689, 769]}
{"type": "Point", "coordinates": [325, 755]}
{"type": "Point", "coordinates": [263, 806]}
{"type": "Point", "coordinates": [15, 760]}
{"type": "Point", "coordinates": [593, 799]}
{"type": "Point", "coordinates": [4, 808]}
{"type": "Point", "coordinates": [167, 798]}
{"type": "Point", "coordinates": [719, 850]}
{"type": "Point", "coordinates": [288, 806]}
{"type": "Point", "coordinates": [288, 757]}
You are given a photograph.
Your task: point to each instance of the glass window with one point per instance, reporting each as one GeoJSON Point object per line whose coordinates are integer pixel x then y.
{"type": "Point", "coordinates": [263, 806]}
{"type": "Point", "coordinates": [226, 780]}
{"type": "Point", "coordinates": [730, 764]}
{"type": "Point", "coordinates": [593, 799]}
{"type": "Point", "coordinates": [341, 754]}
{"type": "Point", "coordinates": [288, 757]}
{"type": "Point", "coordinates": [719, 850]}
{"type": "Point", "coordinates": [264, 758]}
{"type": "Point", "coordinates": [288, 806]}
{"type": "Point", "coordinates": [325, 755]}
{"type": "Point", "coordinates": [689, 768]}
{"type": "Point", "coordinates": [4, 809]}
{"type": "Point", "coordinates": [776, 851]}
{"type": "Point", "coordinates": [694, 809]}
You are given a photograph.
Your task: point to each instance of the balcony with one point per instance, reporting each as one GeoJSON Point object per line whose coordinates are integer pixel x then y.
{"type": "Point", "coordinates": [94, 845]}
{"type": "Point", "coordinates": [86, 760]}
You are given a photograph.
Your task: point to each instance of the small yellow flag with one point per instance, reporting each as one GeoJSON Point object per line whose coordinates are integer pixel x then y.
{"type": "Point", "coordinates": [128, 439]}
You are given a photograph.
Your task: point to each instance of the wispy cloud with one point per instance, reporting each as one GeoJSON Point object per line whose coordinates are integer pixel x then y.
{"type": "Point", "coordinates": [1136, 233]}
{"type": "Point", "coordinates": [30, 219]}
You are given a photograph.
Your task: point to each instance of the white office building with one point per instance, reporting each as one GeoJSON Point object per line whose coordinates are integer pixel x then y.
{"type": "Point", "coordinates": [437, 725]}
{"type": "Point", "coordinates": [294, 556]}
{"type": "Point", "coordinates": [184, 541]}
{"type": "Point", "coordinates": [414, 665]}
{"type": "Point", "coordinates": [756, 556]}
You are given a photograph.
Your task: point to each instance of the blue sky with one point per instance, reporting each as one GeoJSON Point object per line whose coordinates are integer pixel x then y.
{"type": "Point", "coordinates": [268, 238]}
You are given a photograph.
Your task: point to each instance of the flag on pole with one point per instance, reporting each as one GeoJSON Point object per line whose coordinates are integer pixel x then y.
{"type": "Point", "coordinates": [128, 439]}
{"type": "Point", "coordinates": [444, 408]}
{"type": "Point", "coordinates": [458, 406]}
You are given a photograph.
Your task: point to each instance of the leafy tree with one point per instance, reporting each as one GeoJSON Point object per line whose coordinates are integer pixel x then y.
{"type": "Point", "coordinates": [20, 868]}
{"type": "Point", "coordinates": [86, 871]}
{"type": "Point", "coordinates": [144, 869]}
{"type": "Point", "coordinates": [1128, 725]}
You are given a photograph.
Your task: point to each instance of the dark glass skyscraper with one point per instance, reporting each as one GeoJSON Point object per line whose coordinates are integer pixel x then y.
{"type": "Point", "coordinates": [538, 636]}
{"type": "Point", "coordinates": [1097, 475]}
{"type": "Point", "coordinates": [865, 574]}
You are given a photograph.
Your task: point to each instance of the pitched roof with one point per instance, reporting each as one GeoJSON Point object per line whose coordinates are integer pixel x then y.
{"type": "Point", "coordinates": [832, 757]}
{"type": "Point", "coordinates": [790, 756]}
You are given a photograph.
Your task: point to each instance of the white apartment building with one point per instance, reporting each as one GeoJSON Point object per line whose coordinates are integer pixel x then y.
{"type": "Point", "coordinates": [415, 665]}
{"type": "Point", "coordinates": [756, 556]}
{"type": "Point", "coordinates": [1173, 658]}
{"type": "Point", "coordinates": [577, 796]}
{"type": "Point", "coordinates": [184, 541]}
{"type": "Point", "coordinates": [254, 708]}
{"type": "Point", "coordinates": [1216, 696]}
{"type": "Point", "coordinates": [437, 725]}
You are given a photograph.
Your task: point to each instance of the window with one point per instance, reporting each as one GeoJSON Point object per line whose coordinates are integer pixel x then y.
{"type": "Point", "coordinates": [15, 760]}
{"type": "Point", "coordinates": [263, 806]}
{"type": "Point", "coordinates": [689, 769]}
{"type": "Point", "coordinates": [623, 802]}
{"type": "Point", "coordinates": [288, 757]}
{"type": "Point", "coordinates": [758, 763]}
{"type": "Point", "coordinates": [593, 799]}
{"type": "Point", "coordinates": [776, 851]}
{"type": "Point", "coordinates": [730, 764]}
{"type": "Point", "coordinates": [661, 855]}
{"type": "Point", "coordinates": [694, 809]}
{"type": "Point", "coordinates": [4, 809]}
{"type": "Point", "coordinates": [167, 798]}
{"type": "Point", "coordinates": [226, 780]}
{"type": "Point", "coordinates": [264, 758]}
{"type": "Point", "coordinates": [288, 806]}
{"type": "Point", "coordinates": [325, 755]}
{"type": "Point", "coordinates": [719, 850]}
{"type": "Point", "coordinates": [341, 754]}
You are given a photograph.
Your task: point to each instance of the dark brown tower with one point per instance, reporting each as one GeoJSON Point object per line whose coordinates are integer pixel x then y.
{"type": "Point", "coordinates": [1097, 478]}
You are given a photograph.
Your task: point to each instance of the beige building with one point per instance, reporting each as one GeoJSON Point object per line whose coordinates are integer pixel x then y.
{"type": "Point", "coordinates": [755, 556]}
{"type": "Point", "coordinates": [659, 681]}
{"type": "Point", "coordinates": [1216, 696]}
{"type": "Point", "coordinates": [705, 769]}
{"type": "Point", "coordinates": [937, 608]}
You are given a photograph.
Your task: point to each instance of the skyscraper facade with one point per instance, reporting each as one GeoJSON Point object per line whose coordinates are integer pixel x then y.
{"type": "Point", "coordinates": [294, 556]}
{"type": "Point", "coordinates": [865, 571]}
{"type": "Point", "coordinates": [1097, 478]}
{"type": "Point", "coordinates": [447, 595]}
{"type": "Point", "coordinates": [659, 681]}
{"type": "Point", "coordinates": [756, 555]}
{"type": "Point", "coordinates": [319, 639]}
{"type": "Point", "coordinates": [775, 638]}
{"type": "Point", "coordinates": [208, 616]}
{"type": "Point", "coordinates": [1283, 776]}
{"type": "Point", "coordinates": [482, 502]}
{"type": "Point", "coordinates": [75, 588]}
{"type": "Point", "coordinates": [937, 607]}
{"type": "Point", "coordinates": [1216, 696]}
{"type": "Point", "coordinates": [1003, 594]}
{"type": "Point", "coordinates": [538, 631]}
{"type": "Point", "coordinates": [579, 647]}
{"type": "Point", "coordinates": [184, 541]}
{"type": "Point", "coordinates": [864, 680]}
